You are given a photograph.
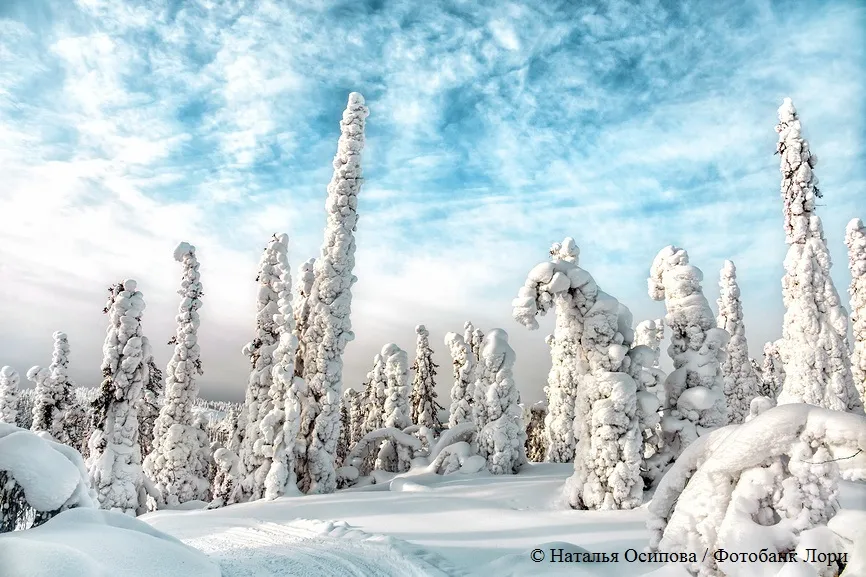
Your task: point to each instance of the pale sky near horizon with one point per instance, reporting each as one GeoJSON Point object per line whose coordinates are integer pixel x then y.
{"type": "Point", "coordinates": [495, 129]}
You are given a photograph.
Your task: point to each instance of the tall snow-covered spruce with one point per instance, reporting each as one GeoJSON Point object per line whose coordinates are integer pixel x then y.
{"type": "Point", "coordinates": [329, 328]}
{"type": "Point", "coordinates": [54, 392]}
{"type": "Point", "coordinates": [694, 391]}
{"type": "Point", "coordinates": [9, 380]}
{"type": "Point", "coordinates": [393, 457]}
{"type": "Point", "coordinates": [462, 392]}
{"type": "Point", "coordinates": [855, 239]}
{"type": "Point", "coordinates": [595, 333]}
{"type": "Point", "coordinates": [177, 463]}
{"type": "Point", "coordinates": [252, 464]}
{"type": "Point", "coordinates": [741, 382]}
{"type": "Point", "coordinates": [114, 461]}
{"type": "Point", "coordinates": [815, 327]}
{"type": "Point", "coordinates": [425, 409]}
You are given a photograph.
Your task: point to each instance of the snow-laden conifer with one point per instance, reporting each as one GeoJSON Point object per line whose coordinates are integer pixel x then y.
{"type": "Point", "coordinates": [855, 240]}
{"type": "Point", "coordinates": [425, 409]}
{"type": "Point", "coordinates": [177, 463]}
{"type": "Point", "coordinates": [694, 391]}
{"type": "Point", "coordinates": [394, 457]}
{"type": "Point", "coordinates": [772, 370]}
{"type": "Point", "coordinates": [149, 406]}
{"type": "Point", "coordinates": [9, 395]}
{"type": "Point", "coordinates": [356, 416]}
{"type": "Point", "coordinates": [741, 382]}
{"type": "Point", "coordinates": [374, 406]}
{"type": "Point", "coordinates": [470, 339]}
{"type": "Point", "coordinates": [815, 327]}
{"type": "Point", "coordinates": [301, 310]}
{"type": "Point", "coordinates": [607, 459]}
{"type": "Point", "coordinates": [260, 351]}
{"type": "Point", "coordinates": [330, 325]}
{"type": "Point", "coordinates": [53, 392]}
{"type": "Point", "coordinates": [114, 460]}
{"type": "Point", "coordinates": [502, 440]}
{"type": "Point", "coordinates": [650, 333]}
{"type": "Point", "coordinates": [536, 445]}
{"type": "Point", "coordinates": [345, 443]}
{"type": "Point", "coordinates": [463, 361]}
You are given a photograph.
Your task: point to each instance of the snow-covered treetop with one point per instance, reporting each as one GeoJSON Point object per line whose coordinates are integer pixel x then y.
{"type": "Point", "coordinates": [666, 260]}
{"type": "Point", "coordinates": [182, 250]}
{"type": "Point", "coordinates": [855, 240]}
{"type": "Point", "coordinates": [421, 330]}
{"type": "Point", "coordinates": [496, 352]}
{"type": "Point", "coordinates": [9, 375]}
{"type": "Point", "coordinates": [566, 250]}
{"type": "Point", "coordinates": [799, 185]}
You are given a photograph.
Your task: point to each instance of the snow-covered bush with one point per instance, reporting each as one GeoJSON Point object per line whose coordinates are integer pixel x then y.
{"type": "Point", "coordinates": [114, 459]}
{"type": "Point", "coordinates": [855, 240]}
{"type": "Point", "coordinates": [395, 458]}
{"type": "Point", "coordinates": [425, 408]}
{"type": "Point", "coordinates": [39, 478]}
{"type": "Point", "coordinates": [694, 391]}
{"type": "Point", "coordinates": [759, 486]}
{"type": "Point", "coordinates": [815, 327]}
{"type": "Point", "coordinates": [593, 332]}
{"type": "Point", "coordinates": [260, 351]}
{"type": "Point", "coordinates": [502, 439]}
{"type": "Point", "coordinates": [536, 445]}
{"type": "Point", "coordinates": [741, 382]}
{"type": "Point", "coordinates": [772, 370]}
{"type": "Point", "coordinates": [329, 327]}
{"type": "Point", "coordinates": [8, 395]}
{"type": "Point", "coordinates": [177, 464]}
{"type": "Point", "coordinates": [463, 361]}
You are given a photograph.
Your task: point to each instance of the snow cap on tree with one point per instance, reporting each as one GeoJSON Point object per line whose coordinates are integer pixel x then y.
{"type": "Point", "coordinates": [799, 185]}
{"type": "Point", "coordinates": [9, 395]}
{"type": "Point", "coordinates": [330, 327]}
{"type": "Point", "coordinates": [741, 382]}
{"type": "Point", "coordinates": [463, 362]}
{"type": "Point", "coordinates": [424, 406]}
{"type": "Point", "coordinates": [855, 240]}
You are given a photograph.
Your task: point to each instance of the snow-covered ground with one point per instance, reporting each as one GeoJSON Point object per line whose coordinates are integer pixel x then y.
{"type": "Point", "coordinates": [425, 525]}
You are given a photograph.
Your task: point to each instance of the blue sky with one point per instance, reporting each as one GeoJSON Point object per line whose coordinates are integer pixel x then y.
{"type": "Point", "coordinates": [495, 129]}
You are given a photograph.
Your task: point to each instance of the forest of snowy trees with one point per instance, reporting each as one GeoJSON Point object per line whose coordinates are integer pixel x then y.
{"type": "Point", "coordinates": [730, 445]}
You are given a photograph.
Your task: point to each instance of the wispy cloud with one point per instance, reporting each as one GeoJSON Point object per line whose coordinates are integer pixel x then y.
{"type": "Point", "coordinates": [495, 129]}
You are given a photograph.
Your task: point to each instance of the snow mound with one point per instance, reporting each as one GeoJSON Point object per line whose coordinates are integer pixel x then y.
{"type": "Point", "coordinates": [95, 543]}
{"type": "Point", "coordinates": [313, 548]}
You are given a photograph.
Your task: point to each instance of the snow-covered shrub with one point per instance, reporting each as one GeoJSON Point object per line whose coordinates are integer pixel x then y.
{"type": "Point", "coordinates": [536, 445]}
{"type": "Point", "coordinates": [260, 351]}
{"type": "Point", "coordinates": [855, 240]}
{"type": "Point", "coordinates": [8, 395]}
{"type": "Point", "coordinates": [815, 327]}
{"type": "Point", "coordinates": [741, 382]}
{"type": "Point", "coordinates": [177, 464]}
{"type": "Point", "coordinates": [39, 478]}
{"type": "Point", "coordinates": [694, 391]}
{"type": "Point", "coordinates": [329, 328]}
{"type": "Point", "coordinates": [114, 459]}
{"type": "Point", "coordinates": [502, 439]}
{"type": "Point", "coordinates": [395, 458]}
{"type": "Point", "coordinates": [593, 332]}
{"type": "Point", "coordinates": [425, 408]}
{"type": "Point", "coordinates": [759, 486]}
{"type": "Point", "coordinates": [772, 370]}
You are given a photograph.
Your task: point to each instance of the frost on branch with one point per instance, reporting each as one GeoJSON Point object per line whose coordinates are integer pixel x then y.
{"type": "Point", "coordinates": [178, 462]}
{"type": "Point", "coordinates": [741, 382]}
{"type": "Point", "coordinates": [815, 327]}
{"type": "Point", "coordinates": [694, 391]}
{"type": "Point", "coordinates": [463, 361]}
{"type": "Point", "coordinates": [502, 439]}
{"type": "Point", "coordinates": [425, 409]}
{"type": "Point", "coordinates": [114, 460]}
{"type": "Point", "coordinates": [397, 415]}
{"type": "Point", "coordinates": [855, 240]}
{"type": "Point", "coordinates": [764, 485]}
{"type": "Point", "coordinates": [9, 380]}
{"type": "Point", "coordinates": [329, 327]}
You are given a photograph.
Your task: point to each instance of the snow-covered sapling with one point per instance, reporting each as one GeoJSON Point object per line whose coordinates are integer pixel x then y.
{"type": "Point", "coordinates": [395, 458]}
{"type": "Point", "coordinates": [463, 361]}
{"type": "Point", "coordinates": [425, 409]}
{"type": "Point", "coordinates": [855, 240]}
{"type": "Point", "coordinates": [9, 395]}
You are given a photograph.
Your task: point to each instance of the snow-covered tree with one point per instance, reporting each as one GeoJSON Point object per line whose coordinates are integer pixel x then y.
{"type": "Point", "coordinates": [177, 464]}
{"type": "Point", "coordinates": [26, 401]}
{"type": "Point", "coordinates": [694, 391]}
{"type": "Point", "coordinates": [502, 440]}
{"type": "Point", "coordinates": [375, 395]}
{"type": "Point", "coordinates": [463, 361]}
{"type": "Point", "coordinates": [473, 338]}
{"type": "Point", "coordinates": [536, 445]}
{"type": "Point", "coordinates": [329, 329]}
{"type": "Point", "coordinates": [345, 443]}
{"type": "Point", "coordinates": [650, 333]}
{"type": "Point", "coordinates": [357, 411]}
{"type": "Point", "coordinates": [301, 310]}
{"type": "Point", "coordinates": [815, 327]}
{"type": "Point", "coordinates": [597, 328]}
{"type": "Point", "coordinates": [260, 351]}
{"type": "Point", "coordinates": [392, 457]}
{"type": "Point", "coordinates": [114, 461]}
{"type": "Point", "coordinates": [772, 370]}
{"type": "Point", "coordinates": [149, 405]}
{"type": "Point", "coordinates": [741, 382]}
{"type": "Point", "coordinates": [855, 240]}
{"type": "Point", "coordinates": [425, 409]}
{"type": "Point", "coordinates": [53, 392]}
{"type": "Point", "coordinates": [8, 395]}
